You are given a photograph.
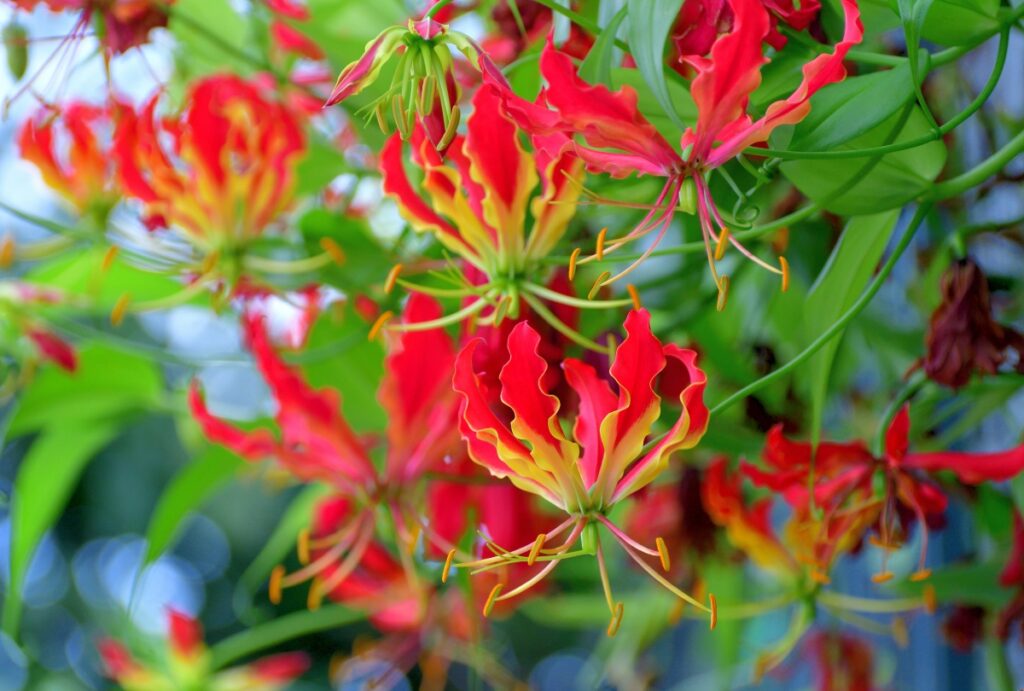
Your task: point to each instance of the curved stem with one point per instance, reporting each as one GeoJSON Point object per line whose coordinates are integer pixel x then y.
{"type": "Point", "coordinates": [977, 175]}
{"type": "Point", "coordinates": [561, 327]}
{"type": "Point", "coordinates": [916, 381]}
{"type": "Point", "coordinates": [839, 324]}
{"type": "Point", "coordinates": [555, 296]}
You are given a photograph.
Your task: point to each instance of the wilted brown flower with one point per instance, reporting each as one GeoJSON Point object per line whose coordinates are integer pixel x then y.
{"type": "Point", "coordinates": [963, 338]}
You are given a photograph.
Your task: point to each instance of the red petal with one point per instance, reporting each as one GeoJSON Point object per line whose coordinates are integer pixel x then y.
{"type": "Point", "coordinates": [971, 468]}
{"type": "Point", "coordinates": [597, 401]}
{"type": "Point", "coordinates": [185, 634]}
{"type": "Point", "coordinates": [254, 446]}
{"type": "Point", "coordinates": [896, 436]}
{"type": "Point", "coordinates": [280, 669]}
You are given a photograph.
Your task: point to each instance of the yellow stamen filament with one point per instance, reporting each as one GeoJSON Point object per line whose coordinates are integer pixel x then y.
{"type": "Point", "coordinates": [414, 538]}
{"type": "Point", "coordinates": [921, 575]}
{"type": "Point", "coordinates": [713, 603]}
{"type": "Point", "coordinates": [209, 261]}
{"type": "Point", "coordinates": [316, 595]}
{"type": "Point", "coordinates": [109, 257]}
{"type": "Point", "coordinates": [537, 545]}
{"type": "Point", "coordinates": [333, 249]}
{"type": "Point", "coordinates": [389, 282]}
{"type": "Point", "coordinates": [634, 296]}
{"type": "Point", "coordinates": [7, 251]}
{"type": "Point", "coordinates": [723, 242]}
{"type": "Point", "coordinates": [785, 273]}
{"type": "Point", "coordinates": [379, 324]}
{"type": "Point", "coordinates": [613, 626]}
{"type": "Point", "coordinates": [899, 632]}
{"type": "Point", "coordinates": [447, 565]}
{"type": "Point", "coordinates": [489, 605]}
{"type": "Point", "coordinates": [597, 284]}
{"type": "Point", "coordinates": [882, 577]}
{"type": "Point", "coordinates": [723, 293]}
{"type": "Point", "coordinates": [931, 603]}
{"type": "Point", "coordinates": [302, 546]}
{"type": "Point", "coordinates": [600, 243]}
{"type": "Point", "coordinates": [572, 263]}
{"type": "Point", "coordinates": [274, 588]}
{"type": "Point", "coordinates": [120, 308]}
{"type": "Point", "coordinates": [663, 553]}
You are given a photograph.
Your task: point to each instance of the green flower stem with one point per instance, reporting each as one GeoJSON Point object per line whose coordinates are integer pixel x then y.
{"type": "Point", "coordinates": [840, 324]}
{"type": "Point", "coordinates": [954, 122]}
{"type": "Point", "coordinates": [977, 175]}
{"type": "Point", "coordinates": [277, 631]}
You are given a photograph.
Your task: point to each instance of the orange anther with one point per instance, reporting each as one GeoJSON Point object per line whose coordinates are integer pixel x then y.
{"type": "Point", "coordinates": [535, 550]}
{"type": "Point", "coordinates": [598, 284]}
{"type": "Point", "coordinates": [302, 546]}
{"type": "Point", "coordinates": [820, 577]}
{"type": "Point", "coordinates": [784, 265]}
{"type": "Point", "coordinates": [109, 257]}
{"type": "Point", "coordinates": [7, 251]}
{"type": "Point", "coordinates": [723, 242]}
{"type": "Point", "coordinates": [447, 565]}
{"type": "Point", "coordinates": [634, 296]}
{"type": "Point", "coordinates": [714, 610]}
{"type": "Point", "coordinates": [379, 324]}
{"type": "Point", "coordinates": [120, 308]}
{"type": "Point", "coordinates": [572, 263]}
{"type": "Point", "coordinates": [882, 577]}
{"type": "Point", "coordinates": [921, 575]}
{"type": "Point", "coordinates": [316, 595]}
{"type": "Point", "coordinates": [600, 243]}
{"type": "Point", "coordinates": [662, 553]}
{"type": "Point", "coordinates": [389, 282]}
{"type": "Point", "coordinates": [613, 625]}
{"type": "Point", "coordinates": [333, 249]}
{"type": "Point", "coordinates": [274, 587]}
{"type": "Point", "coordinates": [489, 605]}
{"type": "Point", "coordinates": [931, 602]}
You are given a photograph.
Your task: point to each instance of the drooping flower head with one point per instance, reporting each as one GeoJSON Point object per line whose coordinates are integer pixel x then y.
{"type": "Point", "coordinates": [184, 662]}
{"type": "Point", "coordinates": [614, 138]}
{"type": "Point", "coordinates": [851, 484]}
{"type": "Point", "coordinates": [610, 456]}
{"type": "Point", "coordinates": [498, 207]}
{"type": "Point", "coordinates": [315, 443]}
{"type": "Point", "coordinates": [423, 89]}
{"type": "Point", "coordinates": [70, 145]}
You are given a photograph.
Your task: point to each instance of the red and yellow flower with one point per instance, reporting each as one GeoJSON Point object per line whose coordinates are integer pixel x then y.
{"type": "Point", "coordinates": [610, 456]}
{"type": "Point", "coordinates": [614, 138]}
{"type": "Point", "coordinates": [185, 663]}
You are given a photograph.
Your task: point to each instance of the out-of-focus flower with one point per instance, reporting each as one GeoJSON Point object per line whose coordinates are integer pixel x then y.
{"type": "Point", "coordinates": [849, 481]}
{"type": "Point", "coordinates": [120, 24]}
{"type": "Point", "coordinates": [424, 88]}
{"type": "Point", "coordinates": [842, 662]}
{"type": "Point", "coordinates": [615, 138]}
{"type": "Point", "coordinates": [70, 145]}
{"type": "Point", "coordinates": [184, 662]}
{"type": "Point", "coordinates": [964, 627]}
{"type": "Point", "coordinates": [286, 35]}
{"type": "Point", "coordinates": [701, 21]}
{"type": "Point", "coordinates": [316, 443]}
{"type": "Point", "coordinates": [25, 336]}
{"type": "Point", "coordinates": [606, 463]}
{"type": "Point", "coordinates": [963, 338]}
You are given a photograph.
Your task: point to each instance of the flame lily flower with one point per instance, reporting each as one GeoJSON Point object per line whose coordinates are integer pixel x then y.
{"type": "Point", "coordinates": [83, 172]}
{"type": "Point", "coordinates": [614, 138]}
{"type": "Point", "coordinates": [478, 203]}
{"type": "Point", "coordinates": [605, 463]}
{"type": "Point", "coordinates": [424, 88]}
{"type": "Point", "coordinates": [700, 22]}
{"type": "Point", "coordinates": [218, 174]}
{"type": "Point", "coordinates": [317, 444]}
{"type": "Point", "coordinates": [186, 664]}
{"type": "Point", "coordinates": [846, 477]}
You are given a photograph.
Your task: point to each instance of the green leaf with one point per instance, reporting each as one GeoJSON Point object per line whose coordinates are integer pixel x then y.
{"type": "Point", "coordinates": [108, 382]}
{"type": "Point", "coordinates": [649, 24]}
{"type": "Point", "coordinates": [596, 68]}
{"type": "Point", "coordinates": [322, 163]}
{"type": "Point", "coordinates": [838, 286]}
{"type": "Point", "coordinates": [281, 630]}
{"type": "Point", "coordinates": [45, 480]}
{"type": "Point", "coordinates": [190, 488]}
{"type": "Point", "coordinates": [212, 37]}
{"type": "Point", "coordinates": [842, 111]}
{"type": "Point", "coordinates": [851, 187]}
{"type": "Point", "coordinates": [964, 584]}
{"type": "Point", "coordinates": [960, 22]}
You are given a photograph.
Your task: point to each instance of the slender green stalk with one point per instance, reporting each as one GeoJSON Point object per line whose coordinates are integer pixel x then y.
{"type": "Point", "coordinates": [840, 324]}
{"type": "Point", "coordinates": [913, 385]}
{"type": "Point", "coordinates": [977, 175]}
